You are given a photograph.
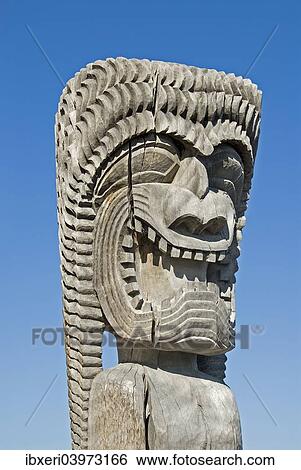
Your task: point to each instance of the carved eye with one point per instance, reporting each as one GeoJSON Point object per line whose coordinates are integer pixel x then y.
{"type": "Point", "coordinates": [225, 171]}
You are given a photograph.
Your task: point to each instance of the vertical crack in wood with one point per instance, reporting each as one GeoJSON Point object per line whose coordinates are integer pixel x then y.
{"type": "Point", "coordinates": [155, 92]}
{"type": "Point", "coordinates": [206, 442]}
{"type": "Point", "coordinates": [146, 411]}
{"type": "Point", "coordinates": [130, 189]}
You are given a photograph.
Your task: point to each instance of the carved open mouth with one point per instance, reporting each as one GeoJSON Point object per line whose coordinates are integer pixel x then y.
{"type": "Point", "coordinates": [156, 270]}
{"type": "Point", "coordinates": [179, 286]}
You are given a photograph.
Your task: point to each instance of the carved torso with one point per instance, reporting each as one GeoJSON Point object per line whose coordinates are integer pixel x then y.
{"type": "Point", "coordinates": [167, 404]}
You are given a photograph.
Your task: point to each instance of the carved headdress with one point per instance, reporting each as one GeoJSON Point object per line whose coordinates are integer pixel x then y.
{"type": "Point", "coordinates": [154, 166]}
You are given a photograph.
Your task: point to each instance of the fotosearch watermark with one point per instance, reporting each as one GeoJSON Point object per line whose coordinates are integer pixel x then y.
{"type": "Point", "coordinates": [56, 336]}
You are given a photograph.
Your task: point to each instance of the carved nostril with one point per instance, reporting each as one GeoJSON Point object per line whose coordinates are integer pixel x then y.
{"type": "Point", "coordinates": [187, 224]}
{"type": "Point", "coordinates": [213, 226]}
{"type": "Point", "coordinates": [192, 175]}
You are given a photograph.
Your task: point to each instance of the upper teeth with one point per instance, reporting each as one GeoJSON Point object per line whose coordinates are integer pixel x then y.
{"type": "Point", "coordinates": [174, 252]}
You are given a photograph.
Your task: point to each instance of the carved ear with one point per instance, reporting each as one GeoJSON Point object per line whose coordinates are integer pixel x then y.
{"type": "Point", "coordinates": [192, 175]}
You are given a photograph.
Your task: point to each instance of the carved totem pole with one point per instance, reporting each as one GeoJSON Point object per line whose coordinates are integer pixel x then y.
{"type": "Point", "coordinates": [154, 167]}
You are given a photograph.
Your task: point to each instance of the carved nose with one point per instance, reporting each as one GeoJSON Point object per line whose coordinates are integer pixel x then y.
{"type": "Point", "coordinates": [191, 208]}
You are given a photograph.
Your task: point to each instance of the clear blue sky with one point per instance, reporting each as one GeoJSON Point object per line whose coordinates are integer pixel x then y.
{"type": "Point", "coordinates": [222, 35]}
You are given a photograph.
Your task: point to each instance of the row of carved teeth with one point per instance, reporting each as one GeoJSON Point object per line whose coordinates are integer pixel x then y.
{"type": "Point", "coordinates": [174, 252]}
{"type": "Point", "coordinates": [128, 273]}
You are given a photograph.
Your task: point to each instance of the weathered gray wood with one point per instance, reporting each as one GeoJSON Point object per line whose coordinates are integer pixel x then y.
{"type": "Point", "coordinates": [117, 405]}
{"type": "Point", "coordinates": [154, 167]}
{"type": "Point", "coordinates": [167, 406]}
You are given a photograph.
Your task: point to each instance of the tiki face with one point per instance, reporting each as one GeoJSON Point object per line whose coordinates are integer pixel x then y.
{"type": "Point", "coordinates": [167, 246]}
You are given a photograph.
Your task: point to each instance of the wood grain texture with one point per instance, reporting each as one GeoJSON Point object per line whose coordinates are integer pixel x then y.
{"type": "Point", "coordinates": [116, 409]}
{"type": "Point", "coordinates": [130, 134]}
{"type": "Point", "coordinates": [141, 407]}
